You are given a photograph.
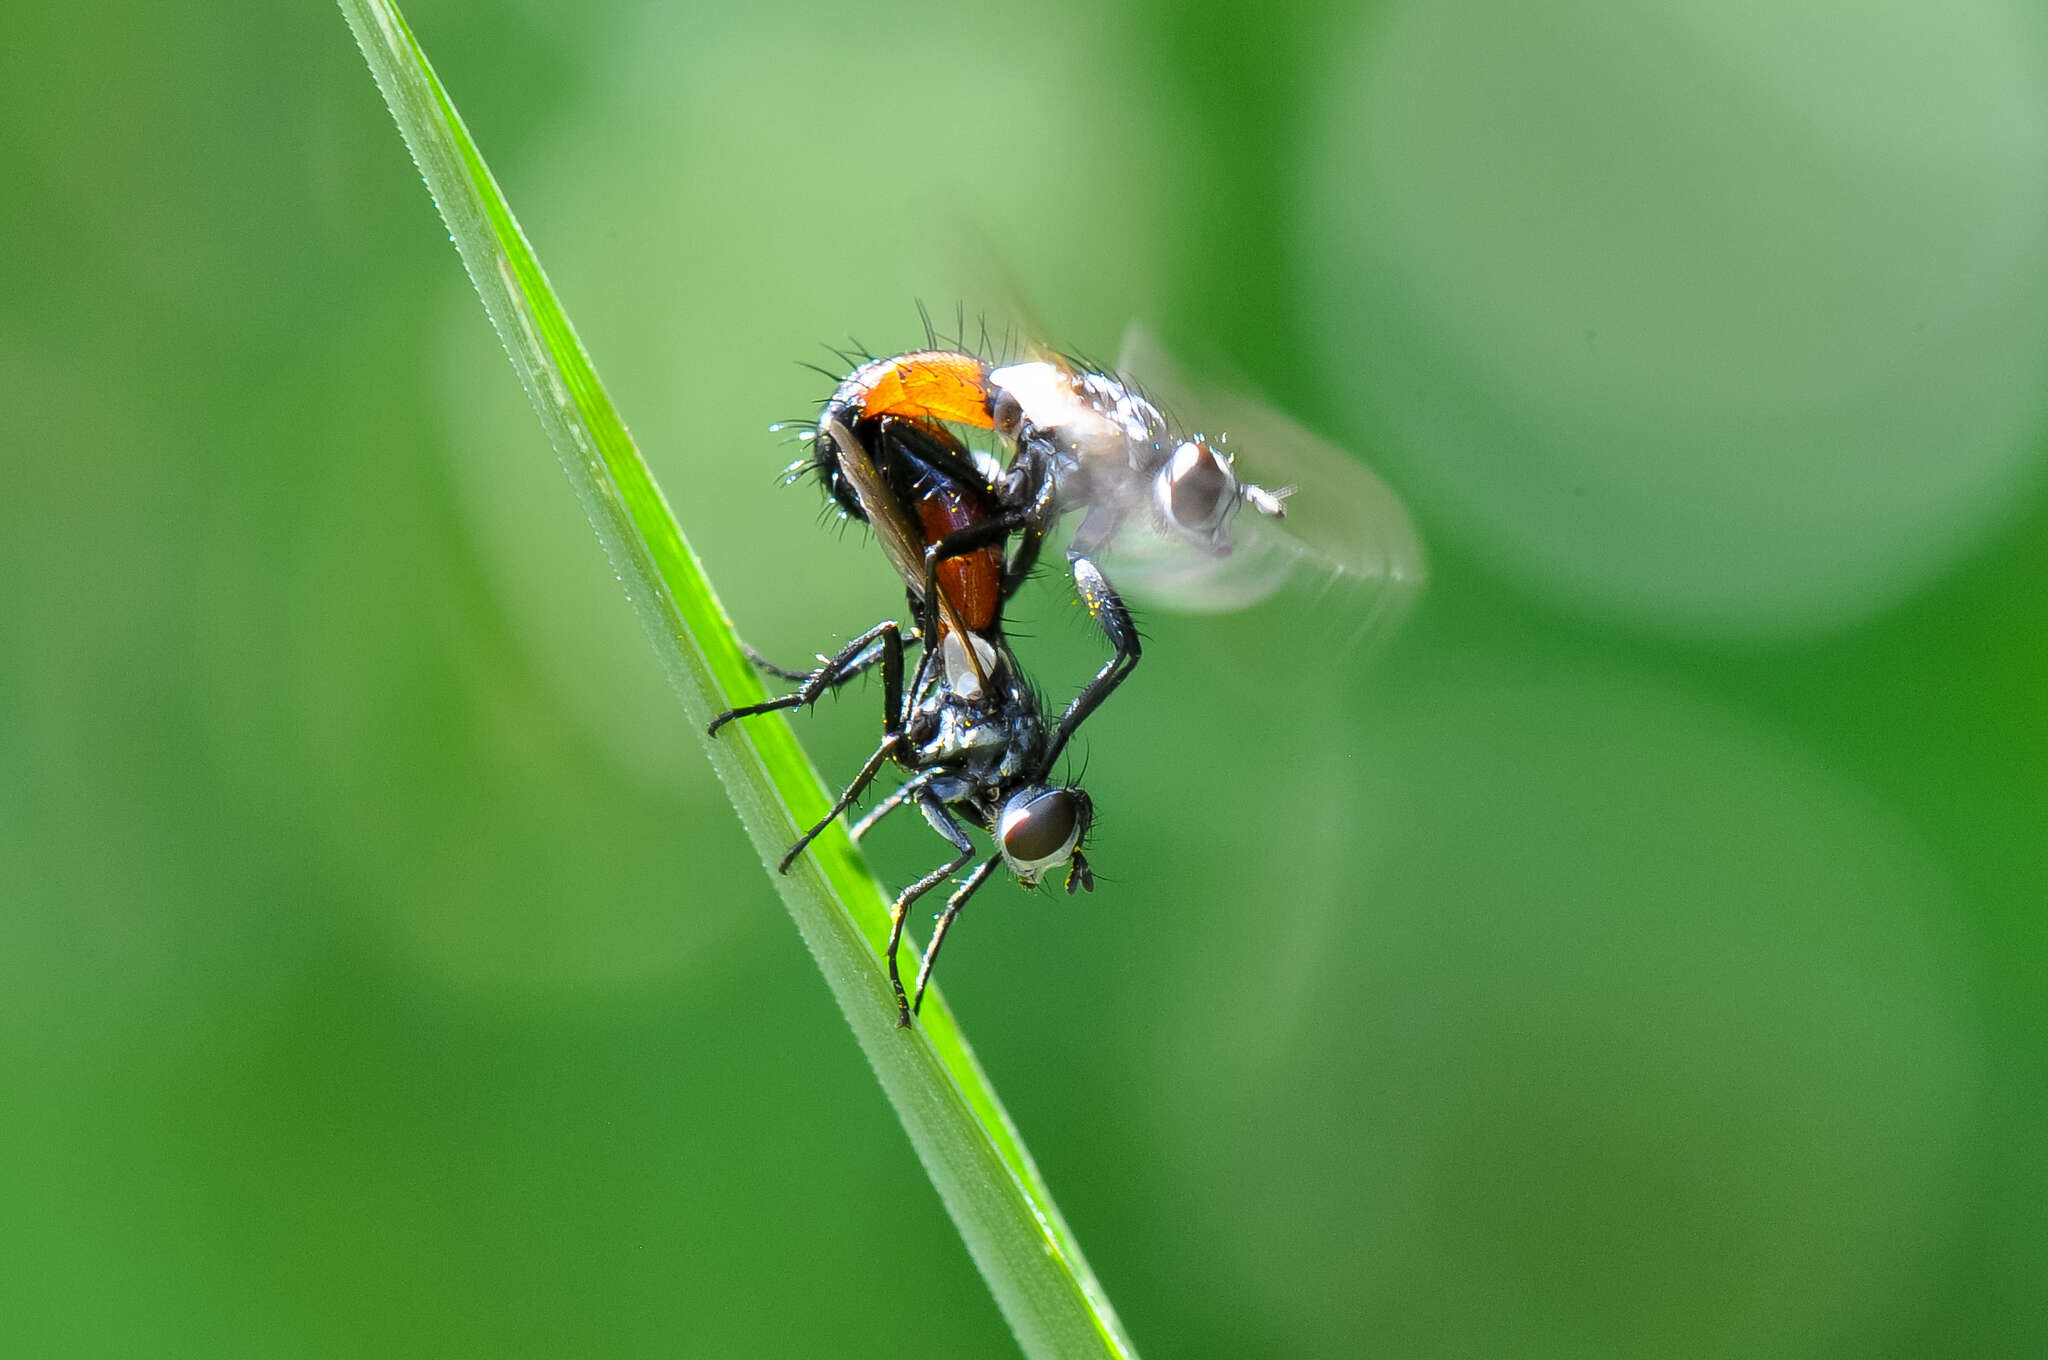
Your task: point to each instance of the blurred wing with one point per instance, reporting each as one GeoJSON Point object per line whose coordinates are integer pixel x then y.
{"type": "Point", "coordinates": [1347, 546]}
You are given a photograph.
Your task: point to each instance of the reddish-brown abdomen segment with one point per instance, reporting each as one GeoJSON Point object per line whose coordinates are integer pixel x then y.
{"type": "Point", "coordinates": [974, 583]}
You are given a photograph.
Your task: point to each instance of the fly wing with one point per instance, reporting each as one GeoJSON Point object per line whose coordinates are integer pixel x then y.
{"type": "Point", "coordinates": [888, 516]}
{"type": "Point", "coordinates": [894, 527]}
{"type": "Point", "coordinates": [1347, 543]}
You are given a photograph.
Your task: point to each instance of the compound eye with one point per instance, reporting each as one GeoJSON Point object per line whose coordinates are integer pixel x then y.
{"type": "Point", "coordinates": [1197, 488]}
{"type": "Point", "coordinates": [1040, 828]}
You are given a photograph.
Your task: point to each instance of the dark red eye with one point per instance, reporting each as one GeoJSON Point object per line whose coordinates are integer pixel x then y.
{"type": "Point", "coordinates": [1040, 828]}
{"type": "Point", "coordinates": [1199, 487]}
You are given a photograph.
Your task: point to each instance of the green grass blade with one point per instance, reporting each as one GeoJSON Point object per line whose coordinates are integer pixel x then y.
{"type": "Point", "coordinates": [968, 1146]}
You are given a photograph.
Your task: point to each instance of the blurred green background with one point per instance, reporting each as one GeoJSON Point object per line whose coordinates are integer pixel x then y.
{"type": "Point", "coordinates": [1641, 956]}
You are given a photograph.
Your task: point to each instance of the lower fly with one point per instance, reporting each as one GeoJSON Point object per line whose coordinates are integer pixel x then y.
{"type": "Point", "coordinates": [968, 728]}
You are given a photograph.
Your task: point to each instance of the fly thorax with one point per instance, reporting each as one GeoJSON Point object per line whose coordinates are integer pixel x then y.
{"type": "Point", "coordinates": [1073, 414]}
{"type": "Point", "coordinates": [1023, 740]}
{"type": "Point", "coordinates": [965, 733]}
{"type": "Point", "coordinates": [1147, 442]}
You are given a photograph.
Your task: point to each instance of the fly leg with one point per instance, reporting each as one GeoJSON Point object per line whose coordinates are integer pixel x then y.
{"type": "Point", "coordinates": [905, 791]}
{"type": "Point", "coordinates": [942, 822]}
{"type": "Point", "coordinates": [1107, 608]}
{"type": "Point", "coordinates": [946, 919]}
{"type": "Point", "coordinates": [1031, 469]}
{"type": "Point", "coordinates": [890, 741]}
{"type": "Point", "coordinates": [860, 665]}
{"type": "Point", "coordinates": [883, 643]}
{"type": "Point", "coordinates": [1031, 519]}
{"type": "Point", "coordinates": [961, 542]}
{"type": "Point", "coordinates": [779, 672]}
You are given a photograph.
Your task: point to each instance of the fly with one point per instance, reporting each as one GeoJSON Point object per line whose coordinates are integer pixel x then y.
{"type": "Point", "coordinates": [1160, 506]}
{"type": "Point", "coordinates": [968, 728]}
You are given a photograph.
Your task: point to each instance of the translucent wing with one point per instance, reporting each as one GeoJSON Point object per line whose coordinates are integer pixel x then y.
{"type": "Point", "coordinates": [1346, 542]}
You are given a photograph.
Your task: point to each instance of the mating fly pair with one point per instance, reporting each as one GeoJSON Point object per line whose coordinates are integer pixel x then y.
{"type": "Point", "coordinates": [964, 531]}
{"type": "Point", "coordinates": [969, 728]}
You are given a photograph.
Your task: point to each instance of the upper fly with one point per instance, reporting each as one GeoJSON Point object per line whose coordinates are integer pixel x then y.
{"type": "Point", "coordinates": [1160, 500]}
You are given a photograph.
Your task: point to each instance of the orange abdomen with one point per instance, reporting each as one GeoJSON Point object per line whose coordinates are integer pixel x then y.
{"type": "Point", "coordinates": [931, 384]}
